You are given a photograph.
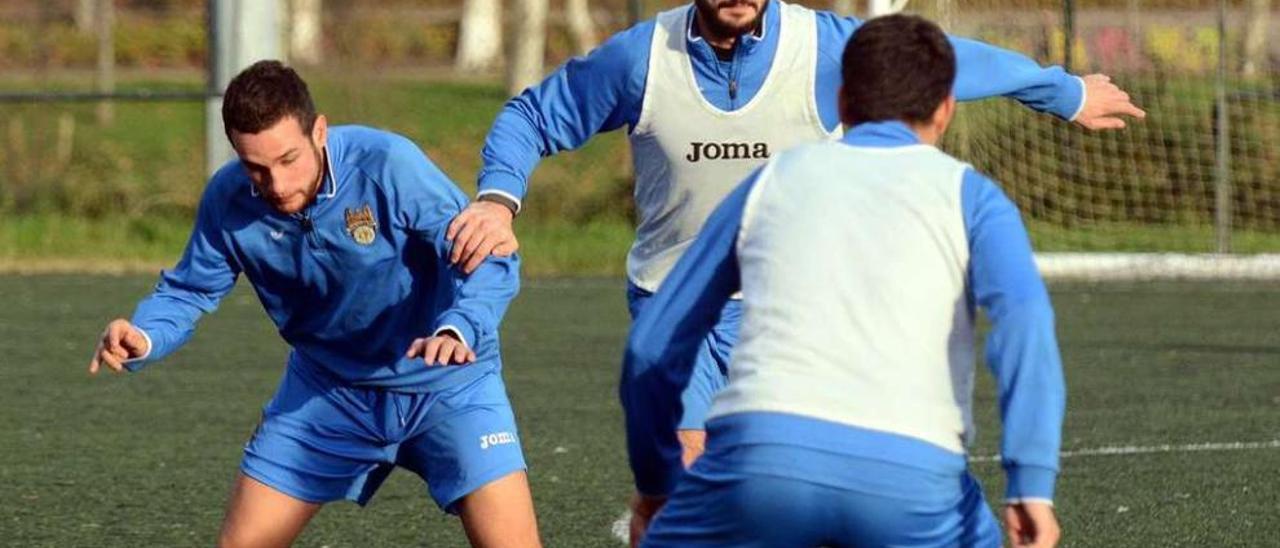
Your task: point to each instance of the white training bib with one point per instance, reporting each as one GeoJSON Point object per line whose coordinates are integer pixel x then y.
{"type": "Point", "coordinates": [854, 266]}
{"type": "Point", "coordinates": [689, 155]}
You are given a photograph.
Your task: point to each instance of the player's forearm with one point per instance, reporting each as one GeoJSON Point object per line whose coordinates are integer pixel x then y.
{"type": "Point", "coordinates": [983, 71]}
{"type": "Point", "coordinates": [599, 92]}
{"type": "Point", "coordinates": [1027, 483]}
{"type": "Point", "coordinates": [650, 394]}
{"type": "Point", "coordinates": [481, 300]}
{"type": "Point", "coordinates": [512, 150]}
{"type": "Point", "coordinates": [167, 323]}
{"type": "Point", "coordinates": [1023, 353]}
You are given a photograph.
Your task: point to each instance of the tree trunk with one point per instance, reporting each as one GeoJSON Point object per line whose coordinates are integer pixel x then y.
{"type": "Point", "coordinates": [105, 77]}
{"type": "Point", "coordinates": [84, 15]}
{"type": "Point", "coordinates": [305, 45]}
{"type": "Point", "coordinates": [583, 31]}
{"type": "Point", "coordinates": [525, 66]}
{"type": "Point", "coordinates": [479, 35]}
{"type": "Point", "coordinates": [1257, 22]}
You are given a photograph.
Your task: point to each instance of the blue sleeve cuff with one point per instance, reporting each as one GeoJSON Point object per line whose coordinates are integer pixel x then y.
{"type": "Point", "coordinates": [458, 323]}
{"type": "Point", "coordinates": [1070, 97]}
{"type": "Point", "coordinates": [1029, 483]}
{"type": "Point", "coordinates": [502, 182]}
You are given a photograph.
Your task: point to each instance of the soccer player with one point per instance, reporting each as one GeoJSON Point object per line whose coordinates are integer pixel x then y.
{"type": "Point", "coordinates": [848, 406]}
{"type": "Point", "coordinates": [395, 358]}
{"type": "Point", "coordinates": [708, 92]}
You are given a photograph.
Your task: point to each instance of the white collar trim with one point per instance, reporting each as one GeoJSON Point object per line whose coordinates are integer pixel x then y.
{"type": "Point", "coordinates": [331, 180]}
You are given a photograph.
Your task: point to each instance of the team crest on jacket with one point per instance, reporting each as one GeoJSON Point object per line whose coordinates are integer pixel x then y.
{"type": "Point", "coordinates": [361, 225]}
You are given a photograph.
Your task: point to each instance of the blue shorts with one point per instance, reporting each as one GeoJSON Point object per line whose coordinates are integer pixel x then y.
{"type": "Point", "coordinates": [711, 368]}
{"type": "Point", "coordinates": [321, 441]}
{"type": "Point", "coordinates": [893, 505]}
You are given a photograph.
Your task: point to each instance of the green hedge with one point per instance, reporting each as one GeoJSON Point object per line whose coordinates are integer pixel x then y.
{"type": "Point", "coordinates": [1074, 186]}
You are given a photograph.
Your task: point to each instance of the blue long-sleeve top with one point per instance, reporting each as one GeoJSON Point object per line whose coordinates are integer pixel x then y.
{"type": "Point", "coordinates": [1021, 348]}
{"type": "Point", "coordinates": [347, 299]}
{"type": "Point", "coordinates": [604, 90]}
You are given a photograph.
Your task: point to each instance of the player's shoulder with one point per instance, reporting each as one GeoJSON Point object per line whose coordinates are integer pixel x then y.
{"type": "Point", "coordinates": [358, 143]}
{"type": "Point", "coordinates": [371, 150]}
{"type": "Point", "coordinates": [834, 28]}
{"type": "Point", "coordinates": [812, 154]}
{"type": "Point", "coordinates": [931, 161]}
{"type": "Point", "coordinates": [228, 180]}
{"type": "Point", "coordinates": [629, 45]}
{"type": "Point", "coordinates": [386, 159]}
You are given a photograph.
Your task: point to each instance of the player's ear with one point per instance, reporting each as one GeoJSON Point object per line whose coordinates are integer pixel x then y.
{"type": "Point", "coordinates": [943, 115]}
{"type": "Point", "coordinates": [320, 131]}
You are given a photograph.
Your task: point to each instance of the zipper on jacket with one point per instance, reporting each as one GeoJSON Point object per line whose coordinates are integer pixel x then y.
{"type": "Point", "coordinates": [733, 76]}
{"type": "Point", "coordinates": [307, 225]}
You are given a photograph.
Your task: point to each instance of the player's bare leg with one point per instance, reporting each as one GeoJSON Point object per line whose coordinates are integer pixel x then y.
{"type": "Point", "coordinates": [500, 514]}
{"type": "Point", "coordinates": [261, 517]}
{"type": "Point", "coordinates": [692, 444]}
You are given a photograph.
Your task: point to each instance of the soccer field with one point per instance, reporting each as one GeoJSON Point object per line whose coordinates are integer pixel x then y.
{"type": "Point", "coordinates": [1172, 436]}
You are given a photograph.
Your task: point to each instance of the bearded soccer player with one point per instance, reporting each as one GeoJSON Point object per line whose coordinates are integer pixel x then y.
{"type": "Point", "coordinates": [849, 401]}
{"type": "Point", "coordinates": [709, 91]}
{"type": "Point", "coordinates": [394, 352]}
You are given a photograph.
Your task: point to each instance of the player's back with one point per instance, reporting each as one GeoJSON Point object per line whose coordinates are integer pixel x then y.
{"type": "Point", "coordinates": [853, 263]}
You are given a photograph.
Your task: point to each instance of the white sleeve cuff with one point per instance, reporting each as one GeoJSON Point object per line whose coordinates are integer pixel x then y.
{"type": "Point", "coordinates": [1021, 500]}
{"type": "Point", "coordinates": [456, 333]}
{"type": "Point", "coordinates": [504, 194]}
{"type": "Point", "coordinates": [145, 355]}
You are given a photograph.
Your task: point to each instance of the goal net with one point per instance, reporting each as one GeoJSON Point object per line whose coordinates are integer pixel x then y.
{"type": "Point", "coordinates": [1191, 192]}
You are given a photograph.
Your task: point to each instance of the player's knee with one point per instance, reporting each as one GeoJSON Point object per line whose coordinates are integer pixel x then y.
{"type": "Point", "coordinates": [245, 537]}
{"type": "Point", "coordinates": [231, 538]}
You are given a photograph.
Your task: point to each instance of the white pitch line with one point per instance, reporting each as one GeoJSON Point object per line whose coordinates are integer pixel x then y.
{"type": "Point", "coordinates": [1148, 449]}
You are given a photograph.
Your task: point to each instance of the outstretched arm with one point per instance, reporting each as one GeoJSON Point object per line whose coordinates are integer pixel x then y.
{"type": "Point", "coordinates": [984, 71]}
{"type": "Point", "coordinates": [596, 93]}
{"type": "Point", "coordinates": [165, 320]}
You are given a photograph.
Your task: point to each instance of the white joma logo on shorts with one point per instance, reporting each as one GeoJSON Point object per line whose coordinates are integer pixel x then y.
{"type": "Point", "coordinates": [496, 438]}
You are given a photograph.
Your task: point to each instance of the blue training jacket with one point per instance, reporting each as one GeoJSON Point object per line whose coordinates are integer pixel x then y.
{"type": "Point", "coordinates": [604, 90]}
{"type": "Point", "coordinates": [348, 307]}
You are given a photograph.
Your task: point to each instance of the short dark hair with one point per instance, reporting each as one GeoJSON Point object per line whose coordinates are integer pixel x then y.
{"type": "Point", "coordinates": [896, 67]}
{"type": "Point", "coordinates": [262, 95]}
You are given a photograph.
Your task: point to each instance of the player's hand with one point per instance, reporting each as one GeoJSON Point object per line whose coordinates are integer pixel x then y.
{"type": "Point", "coordinates": [119, 342]}
{"type": "Point", "coordinates": [441, 349]}
{"type": "Point", "coordinates": [1031, 524]}
{"type": "Point", "coordinates": [483, 228]}
{"type": "Point", "coordinates": [643, 508]}
{"type": "Point", "coordinates": [1105, 104]}
{"type": "Point", "coordinates": [693, 443]}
